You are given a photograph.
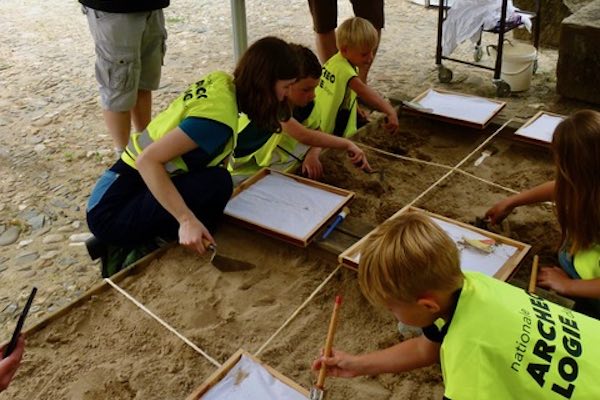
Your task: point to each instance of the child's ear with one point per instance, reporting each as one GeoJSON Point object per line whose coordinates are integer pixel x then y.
{"type": "Point", "coordinates": [344, 50]}
{"type": "Point", "coordinates": [430, 304]}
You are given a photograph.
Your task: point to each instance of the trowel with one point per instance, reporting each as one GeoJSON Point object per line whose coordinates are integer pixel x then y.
{"type": "Point", "coordinates": [227, 264]}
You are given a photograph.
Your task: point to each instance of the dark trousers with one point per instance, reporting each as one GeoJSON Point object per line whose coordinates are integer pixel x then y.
{"type": "Point", "coordinates": [124, 213]}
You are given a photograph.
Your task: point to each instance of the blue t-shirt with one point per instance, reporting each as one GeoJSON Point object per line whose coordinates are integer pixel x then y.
{"type": "Point", "coordinates": [211, 137]}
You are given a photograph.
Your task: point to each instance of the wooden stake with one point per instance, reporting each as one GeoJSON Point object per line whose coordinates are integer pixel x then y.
{"type": "Point", "coordinates": [534, 272]}
{"type": "Point", "coordinates": [329, 341]}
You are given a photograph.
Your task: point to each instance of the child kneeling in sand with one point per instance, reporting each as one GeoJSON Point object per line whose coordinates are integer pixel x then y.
{"type": "Point", "coordinates": [340, 85]}
{"type": "Point", "coordinates": [494, 341]}
{"type": "Point", "coordinates": [575, 191]}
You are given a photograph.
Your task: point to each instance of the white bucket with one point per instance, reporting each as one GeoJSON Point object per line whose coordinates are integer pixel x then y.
{"type": "Point", "coordinates": [517, 65]}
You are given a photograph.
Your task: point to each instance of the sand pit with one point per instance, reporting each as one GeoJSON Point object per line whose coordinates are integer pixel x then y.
{"type": "Point", "coordinates": [361, 328]}
{"type": "Point", "coordinates": [224, 311]}
{"type": "Point", "coordinates": [109, 347]}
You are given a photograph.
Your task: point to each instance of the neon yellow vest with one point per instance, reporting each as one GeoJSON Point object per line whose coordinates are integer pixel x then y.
{"type": "Point", "coordinates": [334, 94]}
{"type": "Point", "coordinates": [505, 344]}
{"type": "Point", "coordinates": [587, 262]}
{"type": "Point", "coordinates": [212, 97]}
{"type": "Point", "coordinates": [271, 153]}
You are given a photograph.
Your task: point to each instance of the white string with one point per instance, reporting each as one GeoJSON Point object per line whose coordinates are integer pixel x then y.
{"type": "Point", "coordinates": [435, 164]}
{"type": "Point", "coordinates": [298, 310]}
{"type": "Point", "coordinates": [163, 323]}
{"type": "Point", "coordinates": [447, 174]}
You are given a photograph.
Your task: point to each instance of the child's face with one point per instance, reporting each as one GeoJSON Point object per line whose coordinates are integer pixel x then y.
{"type": "Point", "coordinates": [282, 88]}
{"type": "Point", "coordinates": [412, 313]}
{"type": "Point", "coordinates": [303, 92]}
{"type": "Point", "coordinates": [358, 56]}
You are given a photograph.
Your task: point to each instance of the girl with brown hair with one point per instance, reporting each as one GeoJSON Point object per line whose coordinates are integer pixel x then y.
{"type": "Point", "coordinates": [170, 181]}
{"type": "Point", "coordinates": [576, 193]}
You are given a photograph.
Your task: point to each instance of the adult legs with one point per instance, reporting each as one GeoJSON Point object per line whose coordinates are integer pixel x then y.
{"type": "Point", "coordinates": [129, 53]}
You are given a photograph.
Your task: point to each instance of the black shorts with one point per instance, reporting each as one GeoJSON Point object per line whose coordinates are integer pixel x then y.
{"type": "Point", "coordinates": [324, 13]}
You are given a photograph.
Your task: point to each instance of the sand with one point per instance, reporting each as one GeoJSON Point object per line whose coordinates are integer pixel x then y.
{"type": "Point", "coordinates": [54, 146]}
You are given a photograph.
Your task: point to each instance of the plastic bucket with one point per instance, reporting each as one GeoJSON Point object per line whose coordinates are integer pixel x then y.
{"type": "Point", "coordinates": [517, 65]}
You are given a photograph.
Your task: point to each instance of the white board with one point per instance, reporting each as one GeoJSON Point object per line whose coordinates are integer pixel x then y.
{"type": "Point", "coordinates": [250, 380]}
{"type": "Point", "coordinates": [478, 110]}
{"type": "Point", "coordinates": [470, 258]}
{"type": "Point", "coordinates": [284, 205]}
{"type": "Point", "coordinates": [540, 127]}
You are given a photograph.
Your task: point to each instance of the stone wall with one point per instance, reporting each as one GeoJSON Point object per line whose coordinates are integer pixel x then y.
{"type": "Point", "coordinates": [577, 71]}
{"type": "Point", "coordinates": [553, 12]}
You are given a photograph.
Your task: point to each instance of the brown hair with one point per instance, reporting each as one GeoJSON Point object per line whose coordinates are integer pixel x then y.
{"type": "Point", "coordinates": [264, 63]}
{"type": "Point", "coordinates": [576, 148]}
{"type": "Point", "coordinates": [308, 63]}
{"type": "Point", "coordinates": [356, 32]}
{"type": "Point", "coordinates": [407, 257]}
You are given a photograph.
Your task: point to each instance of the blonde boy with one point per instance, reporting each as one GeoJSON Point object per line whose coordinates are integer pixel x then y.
{"type": "Point", "coordinates": [494, 341]}
{"type": "Point", "coordinates": [337, 92]}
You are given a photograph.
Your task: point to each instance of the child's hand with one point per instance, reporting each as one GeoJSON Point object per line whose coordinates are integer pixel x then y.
{"type": "Point", "coordinates": [312, 167]}
{"type": "Point", "coordinates": [340, 364]}
{"type": "Point", "coordinates": [499, 211]}
{"type": "Point", "coordinates": [554, 278]}
{"type": "Point", "coordinates": [391, 122]}
{"type": "Point", "coordinates": [9, 365]}
{"type": "Point", "coordinates": [194, 235]}
{"type": "Point", "coordinates": [358, 157]}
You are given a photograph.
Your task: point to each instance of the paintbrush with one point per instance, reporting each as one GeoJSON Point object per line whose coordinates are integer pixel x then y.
{"type": "Point", "coordinates": [318, 391]}
{"type": "Point", "coordinates": [534, 273]}
{"type": "Point", "coordinates": [224, 263]}
{"type": "Point", "coordinates": [490, 151]}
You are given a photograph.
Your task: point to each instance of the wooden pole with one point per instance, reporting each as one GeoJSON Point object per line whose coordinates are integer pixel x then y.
{"type": "Point", "coordinates": [329, 341]}
{"type": "Point", "coordinates": [534, 272]}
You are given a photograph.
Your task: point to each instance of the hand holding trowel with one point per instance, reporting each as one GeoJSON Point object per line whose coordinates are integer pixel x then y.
{"type": "Point", "coordinates": [224, 263]}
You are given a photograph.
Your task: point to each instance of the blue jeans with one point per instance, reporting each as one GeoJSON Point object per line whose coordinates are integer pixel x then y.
{"type": "Point", "coordinates": [123, 212]}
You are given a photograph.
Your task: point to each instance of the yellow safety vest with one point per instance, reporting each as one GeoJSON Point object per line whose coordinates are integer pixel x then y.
{"type": "Point", "coordinates": [212, 97]}
{"type": "Point", "coordinates": [587, 262]}
{"type": "Point", "coordinates": [276, 152]}
{"type": "Point", "coordinates": [334, 94]}
{"type": "Point", "coordinates": [503, 343]}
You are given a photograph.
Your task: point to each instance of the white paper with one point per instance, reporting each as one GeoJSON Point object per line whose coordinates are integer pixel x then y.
{"type": "Point", "coordinates": [248, 380]}
{"type": "Point", "coordinates": [465, 108]}
{"type": "Point", "coordinates": [472, 259]}
{"type": "Point", "coordinates": [285, 205]}
{"type": "Point", "coordinates": [541, 128]}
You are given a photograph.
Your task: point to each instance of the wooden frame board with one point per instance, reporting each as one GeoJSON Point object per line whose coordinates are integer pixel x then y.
{"type": "Point", "coordinates": [230, 363]}
{"type": "Point", "coordinates": [448, 117]}
{"type": "Point", "coordinates": [345, 197]}
{"type": "Point", "coordinates": [545, 121]}
{"type": "Point", "coordinates": [350, 257]}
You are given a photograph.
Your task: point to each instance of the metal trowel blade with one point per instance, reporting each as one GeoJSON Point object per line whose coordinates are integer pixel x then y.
{"type": "Point", "coordinates": [226, 264]}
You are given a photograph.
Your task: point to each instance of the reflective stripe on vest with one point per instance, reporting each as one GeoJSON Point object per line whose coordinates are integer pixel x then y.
{"type": "Point", "coordinates": [587, 262]}
{"type": "Point", "coordinates": [138, 143]}
{"type": "Point", "coordinates": [212, 97]}
{"type": "Point", "coordinates": [503, 343]}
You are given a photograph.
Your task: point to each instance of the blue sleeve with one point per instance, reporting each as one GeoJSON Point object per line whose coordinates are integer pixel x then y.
{"type": "Point", "coordinates": [210, 135]}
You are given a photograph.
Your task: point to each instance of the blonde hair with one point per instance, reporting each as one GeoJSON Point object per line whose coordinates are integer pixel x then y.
{"type": "Point", "coordinates": [356, 32]}
{"type": "Point", "coordinates": [576, 148]}
{"type": "Point", "coordinates": [407, 257]}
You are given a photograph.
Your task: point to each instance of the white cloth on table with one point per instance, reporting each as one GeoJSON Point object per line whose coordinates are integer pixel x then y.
{"type": "Point", "coordinates": [466, 19]}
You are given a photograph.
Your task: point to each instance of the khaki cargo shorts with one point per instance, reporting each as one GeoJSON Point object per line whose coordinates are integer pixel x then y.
{"type": "Point", "coordinates": [130, 49]}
